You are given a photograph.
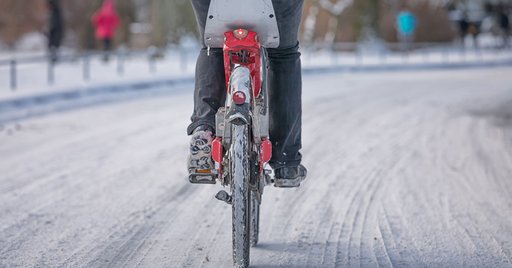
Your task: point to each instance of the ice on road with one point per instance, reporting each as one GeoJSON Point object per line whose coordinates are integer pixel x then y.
{"type": "Point", "coordinates": [406, 169]}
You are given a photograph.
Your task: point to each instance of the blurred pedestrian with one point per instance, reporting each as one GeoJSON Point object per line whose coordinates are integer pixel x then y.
{"type": "Point", "coordinates": [106, 21]}
{"type": "Point", "coordinates": [463, 28]}
{"type": "Point", "coordinates": [504, 23]}
{"type": "Point", "coordinates": [406, 25]}
{"type": "Point", "coordinates": [55, 29]}
{"type": "Point", "coordinates": [474, 31]}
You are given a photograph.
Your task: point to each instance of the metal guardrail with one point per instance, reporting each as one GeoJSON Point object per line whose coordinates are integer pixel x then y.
{"type": "Point", "coordinates": [119, 56]}
{"type": "Point", "coordinates": [405, 47]}
{"type": "Point", "coordinates": [386, 51]}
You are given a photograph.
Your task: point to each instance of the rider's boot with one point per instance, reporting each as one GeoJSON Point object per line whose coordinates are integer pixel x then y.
{"type": "Point", "coordinates": [200, 164]}
{"type": "Point", "coordinates": [289, 177]}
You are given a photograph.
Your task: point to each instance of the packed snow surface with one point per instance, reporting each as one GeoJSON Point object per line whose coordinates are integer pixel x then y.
{"type": "Point", "coordinates": [406, 169]}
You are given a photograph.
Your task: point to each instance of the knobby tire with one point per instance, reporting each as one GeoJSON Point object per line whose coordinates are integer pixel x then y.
{"type": "Point", "coordinates": [240, 195]}
{"type": "Point", "coordinates": [255, 219]}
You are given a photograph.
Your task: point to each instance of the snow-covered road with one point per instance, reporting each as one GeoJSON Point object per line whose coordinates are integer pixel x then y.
{"type": "Point", "coordinates": [409, 169]}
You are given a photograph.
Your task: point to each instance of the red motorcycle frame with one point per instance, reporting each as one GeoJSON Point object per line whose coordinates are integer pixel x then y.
{"type": "Point", "coordinates": [241, 47]}
{"type": "Point", "coordinates": [242, 146]}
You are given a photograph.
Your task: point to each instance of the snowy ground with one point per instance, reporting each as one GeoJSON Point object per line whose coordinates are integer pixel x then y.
{"type": "Point", "coordinates": [407, 169]}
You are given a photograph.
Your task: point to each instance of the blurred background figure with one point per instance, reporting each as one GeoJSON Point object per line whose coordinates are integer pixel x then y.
{"type": "Point", "coordinates": [474, 31]}
{"type": "Point", "coordinates": [463, 28]}
{"type": "Point", "coordinates": [504, 23]}
{"type": "Point", "coordinates": [106, 22]}
{"type": "Point", "coordinates": [406, 25]}
{"type": "Point", "coordinates": [55, 29]}
{"type": "Point", "coordinates": [373, 26]}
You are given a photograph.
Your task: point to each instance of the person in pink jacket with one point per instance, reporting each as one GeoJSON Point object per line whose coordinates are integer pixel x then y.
{"type": "Point", "coordinates": [106, 22]}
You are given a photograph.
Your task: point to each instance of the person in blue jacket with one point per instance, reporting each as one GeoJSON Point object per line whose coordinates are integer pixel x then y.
{"type": "Point", "coordinates": [406, 24]}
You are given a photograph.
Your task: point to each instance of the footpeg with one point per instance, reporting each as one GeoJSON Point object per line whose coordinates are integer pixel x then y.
{"type": "Point", "coordinates": [223, 196]}
{"type": "Point", "coordinates": [288, 183]}
{"type": "Point", "coordinates": [268, 175]}
{"type": "Point", "coordinates": [290, 177]}
{"type": "Point", "coordinates": [203, 178]}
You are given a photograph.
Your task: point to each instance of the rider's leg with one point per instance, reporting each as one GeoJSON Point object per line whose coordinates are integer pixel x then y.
{"type": "Point", "coordinates": [210, 89]}
{"type": "Point", "coordinates": [285, 106]}
{"type": "Point", "coordinates": [285, 82]}
{"type": "Point", "coordinates": [209, 96]}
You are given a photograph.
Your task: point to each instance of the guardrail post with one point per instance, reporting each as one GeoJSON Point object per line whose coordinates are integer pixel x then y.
{"type": "Point", "coordinates": [359, 57]}
{"type": "Point", "coordinates": [405, 56]}
{"type": "Point", "coordinates": [183, 60]}
{"type": "Point", "coordinates": [334, 56]}
{"type": "Point", "coordinates": [479, 54]}
{"type": "Point", "coordinates": [86, 74]}
{"type": "Point", "coordinates": [309, 54]}
{"type": "Point", "coordinates": [499, 52]}
{"type": "Point", "coordinates": [51, 74]}
{"type": "Point", "coordinates": [446, 55]}
{"type": "Point", "coordinates": [14, 82]}
{"type": "Point", "coordinates": [462, 54]}
{"type": "Point", "coordinates": [383, 56]}
{"type": "Point", "coordinates": [152, 63]}
{"type": "Point", "coordinates": [426, 54]}
{"type": "Point", "coordinates": [120, 63]}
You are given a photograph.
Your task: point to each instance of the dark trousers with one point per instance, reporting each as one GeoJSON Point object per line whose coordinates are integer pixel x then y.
{"type": "Point", "coordinates": [107, 44]}
{"type": "Point", "coordinates": [107, 47]}
{"type": "Point", "coordinates": [284, 78]}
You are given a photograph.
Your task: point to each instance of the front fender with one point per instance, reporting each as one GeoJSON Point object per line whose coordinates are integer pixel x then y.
{"type": "Point", "coordinates": [239, 114]}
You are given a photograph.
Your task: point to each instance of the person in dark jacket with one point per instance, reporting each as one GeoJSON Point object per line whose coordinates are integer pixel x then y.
{"type": "Point", "coordinates": [463, 28]}
{"type": "Point", "coordinates": [55, 29]}
{"type": "Point", "coordinates": [504, 22]}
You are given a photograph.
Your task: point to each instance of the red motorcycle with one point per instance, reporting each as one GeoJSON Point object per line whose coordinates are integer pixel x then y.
{"type": "Point", "coordinates": [242, 146]}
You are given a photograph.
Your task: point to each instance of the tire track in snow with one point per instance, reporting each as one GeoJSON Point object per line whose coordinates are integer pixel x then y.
{"type": "Point", "coordinates": [391, 156]}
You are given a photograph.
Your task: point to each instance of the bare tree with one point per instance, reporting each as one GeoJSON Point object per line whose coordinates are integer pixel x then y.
{"type": "Point", "coordinates": [19, 17]}
{"type": "Point", "coordinates": [334, 9]}
{"type": "Point", "coordinates": [172, 20]}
